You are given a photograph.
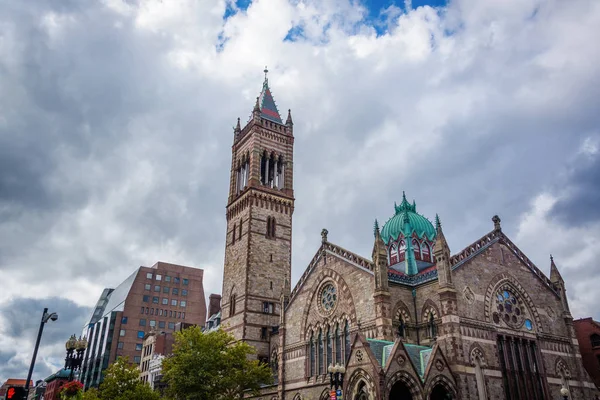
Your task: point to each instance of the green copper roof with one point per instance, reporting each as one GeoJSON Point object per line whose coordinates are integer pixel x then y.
{"type": "Point", "coordinates": [407, 221]}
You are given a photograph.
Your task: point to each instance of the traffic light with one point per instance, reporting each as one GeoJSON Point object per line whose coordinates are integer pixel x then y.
{"type": "Point", "coordinates": [16, 393]}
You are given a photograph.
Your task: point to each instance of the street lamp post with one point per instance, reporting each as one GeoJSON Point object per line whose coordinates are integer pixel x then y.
{"type": "Point", "coordinates": [45, 318]}
{"type": "Point", "coordinates": [75, 349]}
{"type": "Point", "coordinates": [564, 392]}
{"type": "Point", "coordinates": [336, 375]}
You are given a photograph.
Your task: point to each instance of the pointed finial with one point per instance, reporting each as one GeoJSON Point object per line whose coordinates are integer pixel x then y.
{"type": "Point", "coordinates": [414, 206]}
{"type": "Point", "coordinates": [403, 196]}
{"type": "Point", "coordinates": [438, 223]}
{"type": "Point", "coordinates": [289, 118]}
{"type": "Point", "coordinates": [266, 71]}
{"type": "Point", "coordinates": [551, 258]}
{"type": "Point", "coordinates": [256, 105]}
{"type": "Point", "coordinates": [376, 228]}
{"type": "Point", "coordinates": [238, 127]}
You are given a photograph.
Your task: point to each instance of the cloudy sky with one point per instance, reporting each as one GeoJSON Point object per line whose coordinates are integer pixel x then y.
{"type": "Point", "coordinates": [116, 122]}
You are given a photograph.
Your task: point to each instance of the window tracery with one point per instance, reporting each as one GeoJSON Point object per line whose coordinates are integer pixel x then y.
{"type": "Point", "coordinates": [393, 254]}
{"type": "Point", "coordinates": [511, 310]}
{"type": "Point", "coordinates": [327, 344]}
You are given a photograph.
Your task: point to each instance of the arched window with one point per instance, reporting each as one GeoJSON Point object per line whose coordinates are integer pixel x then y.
{"type": "Point", "coordinates": [347, 341]}
{"type": "Point", "coordinates": [232, 305]}
{"type": "Point", "coordinates": [480, 379]}
{"type": "Point", "coordinates": [338, 344]}
{"type": "Point", "coordinates": [240, 233]}
{"type": "Point", "coordinates": [416, 248]}
{"type": "Point", "coordinates": [312, 354]}
{"type": "Point", "coordinates": [402, 250]}
{"type": "Point", "coordinates": [320, 355]}
{"type": "Point", "coordinates": [271, 224]}
{"type": "Point", "coordinates": [431, 328]}
{"type": "Point", "coordinates": [274, 366]}
{"type": "Point", "coordinates": [393, 254]}
{"type": "Point", "coordinates": [425, 251]}
{"type": "Point", "coordinates": [595, 339]}
{"type": "Point", "coordinates": [233, 233]}
{"type": "Point", "coordinates": [401, 328]}
{"type": "Point", "coordinates": [329, 348]}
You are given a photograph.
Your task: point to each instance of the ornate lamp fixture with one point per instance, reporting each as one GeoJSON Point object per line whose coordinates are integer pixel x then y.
{"type": "Point", "coordinates": [336, 375]}
{"type": "Point", "coordinates": [564, 392]}
{"type": "Point", "coordinates": [75, 349]}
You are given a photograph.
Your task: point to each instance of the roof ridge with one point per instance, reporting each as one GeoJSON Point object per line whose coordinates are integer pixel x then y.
{"type": "Point", "coordinates": [489, 239]}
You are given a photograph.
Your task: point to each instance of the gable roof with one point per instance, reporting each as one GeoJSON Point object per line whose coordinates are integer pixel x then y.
{"type": "Point", "coordinates": [336, 251]}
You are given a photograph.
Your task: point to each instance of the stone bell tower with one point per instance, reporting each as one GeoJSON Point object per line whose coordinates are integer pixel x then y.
{"type": "Point", "coordinates": [260, 205]}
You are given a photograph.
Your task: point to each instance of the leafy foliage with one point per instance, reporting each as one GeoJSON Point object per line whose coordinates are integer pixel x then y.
{"type": "Point", "coordinates": [122, 382]}
{"type": "Point", "coordinates": [208, 366]}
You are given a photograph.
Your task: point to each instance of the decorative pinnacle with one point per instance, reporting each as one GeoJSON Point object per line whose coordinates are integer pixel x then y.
{"type": "Point", "coordinates": [289, 118]}
{"type": "Point", "coordinates": [551, 258]}
{"type": "Point", "coordinates": [238, 126]}
{"type": "Point", "coordinates": [438, 223]}
{"type": "Point", "coordinates": [256, 106]}
{"type": "Point", "coordinates": [266, 71]}
{"type": "Point", "coordinates": [376, 228]}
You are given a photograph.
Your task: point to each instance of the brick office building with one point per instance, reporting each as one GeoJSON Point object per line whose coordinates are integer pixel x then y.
{"type": "Point", "coordinates": [158, 297]}
{"type": "Point", "coordinates": [54, 383]}
{"type": "Point", "coordinates": [588, 336]}
{"type": "Point", "coordinates": [412, 322]}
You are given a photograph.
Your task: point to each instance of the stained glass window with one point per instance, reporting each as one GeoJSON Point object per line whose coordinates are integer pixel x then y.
{"type": "Point", "coordinates": [328, 297]}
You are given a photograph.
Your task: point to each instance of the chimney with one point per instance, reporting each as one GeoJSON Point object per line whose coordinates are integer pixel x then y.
{"type": "Point", "coordinates": [214, 304]}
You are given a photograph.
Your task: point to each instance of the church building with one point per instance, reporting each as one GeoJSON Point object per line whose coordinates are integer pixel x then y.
{"type": "Point", "coordinates": [414, 321]}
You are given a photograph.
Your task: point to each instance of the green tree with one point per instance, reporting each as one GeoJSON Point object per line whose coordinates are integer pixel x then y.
{"type": "Point", "coordinates": [91, 394]}
{"type": "Point", "coordinates": [122, 382]}
{"type": "Point", "coordinates": [209, 366]}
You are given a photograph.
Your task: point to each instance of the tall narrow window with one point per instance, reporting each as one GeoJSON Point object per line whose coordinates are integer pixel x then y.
{"type": "Point", "coordinates": [393, 254]}
{"type": "Point", "coordinates": [338, 344]}
{"type": "Point", "coordinates": [329, 348]}
{"type": "Point", "coordinates": [480, 380]}
{"type": "Point", "coordinates": [271, 227]}
{"type": "Point", "coordinates": [232, 305]}
{"type": "Point", "coordinates": [518, 362]}
{"type": "Point", "coordinates": [416, 248]}
{"type": "Point", "coordinates": [432, 327]}
{"type": "Point", "coordinates": [401, 328]}
{"type": "Point", "coordinates": [240, 233]}
{"type": "Point", "coordinates": [320, 355]}
{"type": "Point", "coordinates": [233, 233]}
{"type": "Point", "coordinates": [425, 251]}
{"type": "Point", "coordinates": [347, 343]}
{"type": "Point", "coordinates": [312, 354]}
{"type": "Point", "coordinates": [402, 251]}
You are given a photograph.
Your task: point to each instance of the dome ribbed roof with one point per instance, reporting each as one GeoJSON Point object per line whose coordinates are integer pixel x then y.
{"type": "Point", "coordinates": [406, 222]}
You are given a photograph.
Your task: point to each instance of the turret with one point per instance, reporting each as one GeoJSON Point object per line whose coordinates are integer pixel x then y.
{"type": "Point", "coordinates": [559, 285]}
{"type": "Point", "coordinates": [380, 263]}
{"type": "Point", "coordinates": [441, 251]}
{"type": "Point", "coordinates": [381, 295]}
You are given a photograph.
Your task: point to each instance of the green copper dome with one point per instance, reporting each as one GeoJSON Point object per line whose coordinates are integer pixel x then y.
{"type": "Point", "coordinates": [407, 222]}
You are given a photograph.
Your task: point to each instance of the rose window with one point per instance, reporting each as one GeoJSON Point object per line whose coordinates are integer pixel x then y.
{"type": "Point", "coordinates": [510, 310]}
{"type": "Point", "coordinates": [328, 297]}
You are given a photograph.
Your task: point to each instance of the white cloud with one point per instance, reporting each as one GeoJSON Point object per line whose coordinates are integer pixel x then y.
{"type": "Point", "coordinates": [114, 143]}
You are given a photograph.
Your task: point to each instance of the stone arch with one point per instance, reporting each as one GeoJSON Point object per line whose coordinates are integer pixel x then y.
{"type": "Point", "coordinates": [297, 396]}
{"type": "Point", "coordinates": [411, 383]}
{"type": "Point", "coordinates": [429, 307]}
{"type": "Point", "coordinates": [444, 381]}
{"type": "Point", "coordinates": [344, 295]}
{"type": "Point", "coordinates": [476, 351]}
{"type": "Point", "coordinates": [324, 395]}
{"type": "Point", "coordinates": [401, 309]}
{"type": "Point", "coordinates": [354, 382]}
{"type": "Point", "coordinates": [561, 368]}
{"type": "Point", "coordinates": [506, 278]}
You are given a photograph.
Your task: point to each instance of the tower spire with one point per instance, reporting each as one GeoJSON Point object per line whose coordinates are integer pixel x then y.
{"type": "Point", "coordinates": [555, 276]}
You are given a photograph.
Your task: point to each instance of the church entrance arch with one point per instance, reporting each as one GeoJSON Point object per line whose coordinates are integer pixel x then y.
{"type": "Point", "coordinates": [362, 392]}
{"type": "Point", "coordinates": [400, 392]}
{"type": "Point", "coordinates": [440, 392]}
